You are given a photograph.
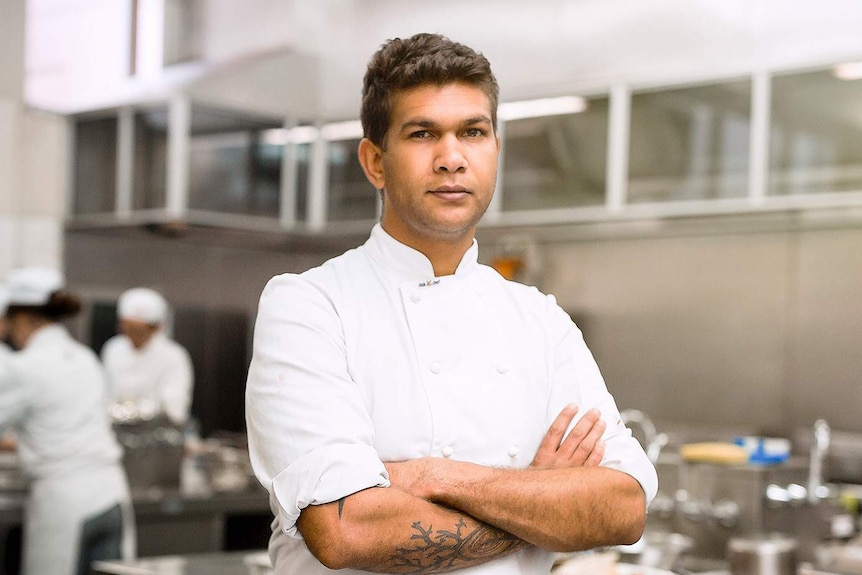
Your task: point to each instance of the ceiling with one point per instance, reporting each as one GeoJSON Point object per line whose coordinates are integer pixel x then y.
{"type": "Point", "coordinates": [298, 54]}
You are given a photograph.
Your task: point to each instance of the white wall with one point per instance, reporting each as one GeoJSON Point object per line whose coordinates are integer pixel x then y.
{"type": "Point", "coordinates": [33, 154]}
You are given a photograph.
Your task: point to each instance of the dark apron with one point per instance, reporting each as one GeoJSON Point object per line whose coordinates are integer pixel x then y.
{"type": "Point", "coordinates": [101, 539]}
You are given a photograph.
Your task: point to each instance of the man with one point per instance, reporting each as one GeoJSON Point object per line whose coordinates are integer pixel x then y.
{"type": "Point", "coordinates": [7, 440]}
{"type": "Point", "coordinates": [408, 408]}
{"type": "Point", "coordinates": [145, 367]}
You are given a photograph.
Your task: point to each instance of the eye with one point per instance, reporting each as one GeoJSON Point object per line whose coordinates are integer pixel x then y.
{"type": "Point", "coordinates": [474, 132]}
{"type": "Point", "coordinates": [420, 135]}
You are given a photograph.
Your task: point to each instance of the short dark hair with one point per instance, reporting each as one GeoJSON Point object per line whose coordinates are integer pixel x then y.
{"type": "Point", "coordinates": [61, 305]}
{"type": "Point", "coordinates": [419, 60]}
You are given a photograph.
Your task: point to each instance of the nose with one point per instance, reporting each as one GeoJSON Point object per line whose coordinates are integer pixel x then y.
{"type": "Point", "coordinates": [450, 156]}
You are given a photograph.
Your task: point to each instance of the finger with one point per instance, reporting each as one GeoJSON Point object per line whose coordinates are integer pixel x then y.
{"type": "Point", "coordinates": [583, 437]}
{"type": "Point", "coordinates": [596, 456]}
{"type": "Point", "coordinates": [587, 446]}
{"type": "Point", "coordinates": [551, 441]}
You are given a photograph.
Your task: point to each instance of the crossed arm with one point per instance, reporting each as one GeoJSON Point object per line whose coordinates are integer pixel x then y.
{"type": "Point", "coordinates": [441, 515]}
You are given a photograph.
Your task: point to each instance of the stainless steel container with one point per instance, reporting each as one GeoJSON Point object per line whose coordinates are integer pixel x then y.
{"type": "Point", "coordinates": [762, 554]}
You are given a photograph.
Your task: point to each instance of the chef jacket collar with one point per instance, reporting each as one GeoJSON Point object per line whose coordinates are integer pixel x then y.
{"type": "Point", "coordinates": [411, 263]}
{"type": "Point", "coordinates": [154, 341]}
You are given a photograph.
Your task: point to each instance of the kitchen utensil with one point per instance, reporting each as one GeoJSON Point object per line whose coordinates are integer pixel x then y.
{"type": "Point", "coordinates": [762, 554]}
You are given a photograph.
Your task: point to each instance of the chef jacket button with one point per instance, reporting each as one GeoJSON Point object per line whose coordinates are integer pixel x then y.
{"type": "Point", "coordinates": [435, 367]}
{"type": "Point", "coordinates": [415, 298]}
{"type": "Point", "coordinates": [514, 451]}
{"type": "Point", "coordinates": [502, 368]}
{"type": "Point", "coordinates": [448, 451]}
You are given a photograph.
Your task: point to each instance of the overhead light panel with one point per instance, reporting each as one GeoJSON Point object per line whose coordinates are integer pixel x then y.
{"type": "Point", "coordinates": [542, 107]}
{"type": "Point", "coordinates": [848, 71]}
{"type": "Point", "coordinates": [295, 135]}
{"type": "Point", "coordinates": [304, 134]}
{"type": "Point", "coordinates": [274, 137]}
{"type": "Point", "coordinates": [343, 130]}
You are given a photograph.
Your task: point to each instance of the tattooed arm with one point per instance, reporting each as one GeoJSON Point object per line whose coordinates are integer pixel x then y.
{"type": "Point", "coordinates": [386, 530]}
{"type": "Point", "coordinates": [563, 502]}
{"type": "Point", "coordinates": [393, 530]}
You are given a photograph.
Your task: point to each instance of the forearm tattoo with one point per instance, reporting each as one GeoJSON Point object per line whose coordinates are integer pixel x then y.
{"type": "Point", "coordinates": [442, 550]}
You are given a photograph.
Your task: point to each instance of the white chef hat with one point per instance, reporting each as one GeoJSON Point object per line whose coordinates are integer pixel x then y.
{"type": "Point", "coordinates": [33, 286]}
{"type": "Point", "coordinates": [142, 304]}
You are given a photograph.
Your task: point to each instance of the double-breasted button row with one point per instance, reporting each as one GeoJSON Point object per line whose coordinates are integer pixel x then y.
{"type": "Point", "coordinates": [436, 367]}
{"type": "Point", "coordinates": [512, 452]}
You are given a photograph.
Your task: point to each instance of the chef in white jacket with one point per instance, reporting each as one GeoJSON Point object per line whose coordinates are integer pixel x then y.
{"type": "Point", "coordinates": [52, 395]}
{"type": "Point", "coordinates": [6, 439]}
{"type": "Point", "coordinates": [407, 406]}
{"type": "Point", "coordinates": [147, 369]}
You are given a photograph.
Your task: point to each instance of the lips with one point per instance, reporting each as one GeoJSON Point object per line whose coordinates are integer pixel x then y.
{"type": "Point", "coordinates": [445, 189]}
{"type": "Point", "coordinates": [450, 192]}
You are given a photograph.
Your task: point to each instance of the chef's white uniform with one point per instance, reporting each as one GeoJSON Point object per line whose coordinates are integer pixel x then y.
{"type": "Point", "coordinates": [159, 376]}
{"type": "Point", "coordinates": [52, 394]}
{"type": "Point", "coordinates": [370, 358]}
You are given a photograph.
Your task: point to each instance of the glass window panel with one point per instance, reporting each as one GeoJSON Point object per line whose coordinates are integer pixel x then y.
{"type": "Point", "coordinates": [556, 161]}
{"type": "Point", "coordinates": [815, 134]}
{"type": "Point", "coordinates": [150, 164]}
{"type": "Point", "coordinates": [351, 196]}
{"type": "Point", "coordinates": [232, 168]}
{"type": "Point", "coordinates": [95, 165]}
{"type": "Point", "coordinates": [234, 173]}
{"type": "Point", "coordinates": [690, 143]}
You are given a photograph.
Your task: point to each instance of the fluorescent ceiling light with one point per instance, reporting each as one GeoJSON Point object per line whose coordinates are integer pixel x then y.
{"type": "Point", "coordinates": [297, 135]}
{"type": "Point", "coordinates": [304, 134]}
{"type": "Point", "coordinates": [542, 107]}
{"type": "Point", "coordinates": [343, 130]}
{"type": "Point", "coordinates": [274, 137]}
{"type": "Point", "coordinates": [848, 71]}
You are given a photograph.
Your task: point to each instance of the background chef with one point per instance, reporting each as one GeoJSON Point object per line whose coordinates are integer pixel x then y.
{"type": "Point", "coordinates": [7, 441]}
{"type": "Point", "coordinates": [52, 395]}
{"type": "Point", "coordinates": [147, 369]}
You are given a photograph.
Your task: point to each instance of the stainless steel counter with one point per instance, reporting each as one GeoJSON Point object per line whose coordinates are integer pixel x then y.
{"type": "Point", "coordinates": [171, 523]}
{"type": "Point", "coordinates": [240, 563]}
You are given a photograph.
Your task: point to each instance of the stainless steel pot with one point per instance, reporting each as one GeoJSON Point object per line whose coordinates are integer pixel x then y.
{"type": "Point", "coordinates": [762, 554]}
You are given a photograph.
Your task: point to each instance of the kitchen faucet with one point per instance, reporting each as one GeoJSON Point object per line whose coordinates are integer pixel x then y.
{"type": "Point", "coordinates": [653, 442]}
{"type": "Point", "coordinates": [822, 436]}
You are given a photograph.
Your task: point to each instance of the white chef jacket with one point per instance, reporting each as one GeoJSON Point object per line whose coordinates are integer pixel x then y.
{"type": "Point", "coordinates": [160, 374]}
{"type": "Point", "coordinates": [370, 358]}
{"type": "Point", "coordinates": [52, 393]}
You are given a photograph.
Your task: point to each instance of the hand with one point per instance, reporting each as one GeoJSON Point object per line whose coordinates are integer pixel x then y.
{"type": "Point", "coordinates": [413, 476]}
{"type": "Point", "coordinates": [582, 447]}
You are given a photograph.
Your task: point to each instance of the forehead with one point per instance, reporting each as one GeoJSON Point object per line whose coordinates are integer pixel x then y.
{"type": "Point", "coordinates": [446, 101]}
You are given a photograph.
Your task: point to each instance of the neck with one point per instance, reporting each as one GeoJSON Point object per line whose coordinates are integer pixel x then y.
{"type": "Point", "coordinates": [444, 253]}
{"type": "Point", "coordinates": [28, 328]}
{"type": "Point", "coordinates": [446, 257]}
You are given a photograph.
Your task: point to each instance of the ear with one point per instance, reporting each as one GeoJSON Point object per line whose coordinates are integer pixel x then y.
{"type": "Point", "coordinates": [371, 159]}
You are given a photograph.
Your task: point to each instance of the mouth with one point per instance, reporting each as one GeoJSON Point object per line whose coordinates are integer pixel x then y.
{"type": "Point", "coordinates": [450, 192]}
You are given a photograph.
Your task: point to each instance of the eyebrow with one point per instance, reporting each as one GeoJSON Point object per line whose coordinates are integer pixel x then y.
{"type": "Point", "coordinates": [427, 123]}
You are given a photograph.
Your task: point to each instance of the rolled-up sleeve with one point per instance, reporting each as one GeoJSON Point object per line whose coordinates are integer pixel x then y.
{"type": "Point", "coordinates": [577, 379]}
{"type": "Point", "coordinates": [311, 439]}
